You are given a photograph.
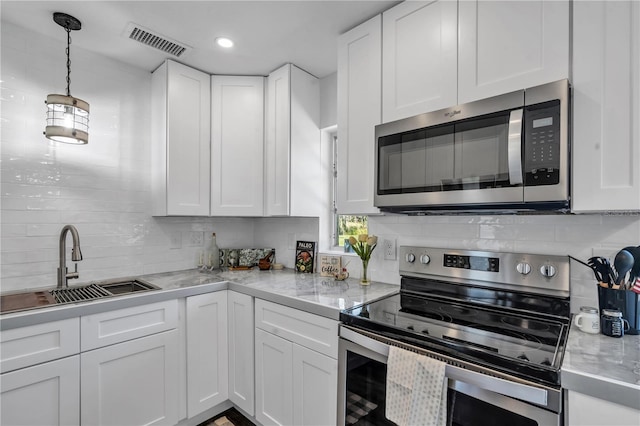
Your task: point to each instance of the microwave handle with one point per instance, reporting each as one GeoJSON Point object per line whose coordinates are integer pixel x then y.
{"type": "Point", "coordinates": [514, 146]}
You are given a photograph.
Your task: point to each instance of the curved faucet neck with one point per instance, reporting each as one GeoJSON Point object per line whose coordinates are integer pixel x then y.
{"type": "Point", "coordinates": [76, 255]}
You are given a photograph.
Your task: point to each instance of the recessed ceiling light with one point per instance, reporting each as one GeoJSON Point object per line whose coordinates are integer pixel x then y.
{"type": "Point", "coordinates": [224, 42]}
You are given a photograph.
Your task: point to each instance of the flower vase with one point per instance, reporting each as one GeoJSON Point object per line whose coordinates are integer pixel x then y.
{"type": "Point", "coordinates": [364, 278]}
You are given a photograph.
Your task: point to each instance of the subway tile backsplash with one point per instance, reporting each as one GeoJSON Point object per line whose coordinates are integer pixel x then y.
{"type": "Point", "coordinates": [580, 236]}
{"type": "Point", "coordinates": [104, 189]}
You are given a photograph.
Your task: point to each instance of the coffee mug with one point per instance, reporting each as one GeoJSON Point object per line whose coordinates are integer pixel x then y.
{"type": "Point", "coordinates": [588, 320]}
{"type": "Point", "coordinates": [613, 324]}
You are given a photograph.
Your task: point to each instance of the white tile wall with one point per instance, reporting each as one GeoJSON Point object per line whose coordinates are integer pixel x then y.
{"type": "Point", "coordinates": [103, 188]}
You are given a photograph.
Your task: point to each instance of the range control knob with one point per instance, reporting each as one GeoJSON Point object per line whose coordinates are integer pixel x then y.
{"type": "Point", "coordinates": [410, 257]}
{"type": "Point", "coordinates": [548, 270]}
{"type": "Point", "coordinates": [523, 267]}
{"type": "Point", "coordinates": [425, 259]}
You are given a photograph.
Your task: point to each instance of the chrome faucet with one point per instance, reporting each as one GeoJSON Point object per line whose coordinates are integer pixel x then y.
{"type": "Point", "coordinates": [76, 255]}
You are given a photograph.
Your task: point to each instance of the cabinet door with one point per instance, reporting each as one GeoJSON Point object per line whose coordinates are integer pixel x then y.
{"type": "Point", "coordinates": [35, 344]}
{"type": "Point", "coordinates": [45, 394]}
{"type": "Point", "coordinates": [237, 145]}
{"type": "Point", "coordinates": [116, 326]}
{"type": "Point", "coordinates": [241, 351]}
{"type": "Point", "coordinates": [506, 46]}
{"type": "Point", "coordinates": [131, 383]}
{"type": "Point", "coordinates": [306, 173]}
{"type": "Point", "coordinates": [292, 157]}
{"type": "Point", "coordinates": [420, 47]}
{"type": "Point", "coordinates": [277, 144]}
{"type": "Point", "coordinates": [606, 106]}
{"type": "Point", "coordinates": [274, 380]}
{"type": "Point", "coordinates": [315, 388]}
{"type": "Point", "coordinates": [180, 152]}
{"type": "Point", "coordinates": [207, 362]}
{"type": "Point", "coordinates": [585, 410]}
{"type": "Point", "coordinates": [359, 110]}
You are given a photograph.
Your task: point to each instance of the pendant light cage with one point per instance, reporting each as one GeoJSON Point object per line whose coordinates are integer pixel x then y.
{"type": "Point", "coordinates": [67, 117]}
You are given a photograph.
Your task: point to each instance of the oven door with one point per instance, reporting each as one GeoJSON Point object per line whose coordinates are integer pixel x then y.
{"type": "Point", "coordinates": [473, 398]}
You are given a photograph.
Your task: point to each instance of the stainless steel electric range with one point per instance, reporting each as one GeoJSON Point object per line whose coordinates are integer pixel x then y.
{"type": "Point", "coordinates": [499, 320]}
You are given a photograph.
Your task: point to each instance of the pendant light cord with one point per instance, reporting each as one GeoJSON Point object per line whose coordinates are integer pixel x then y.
{"type": "Point", "coordinates": [68, 61]}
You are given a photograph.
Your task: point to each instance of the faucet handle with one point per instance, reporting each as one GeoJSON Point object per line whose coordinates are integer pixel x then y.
{"type": "Point", "coordinates": [74, 274]}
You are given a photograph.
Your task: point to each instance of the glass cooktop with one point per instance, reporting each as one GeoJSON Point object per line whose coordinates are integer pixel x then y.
{"type": "Point", "coordinates": [523, 345]}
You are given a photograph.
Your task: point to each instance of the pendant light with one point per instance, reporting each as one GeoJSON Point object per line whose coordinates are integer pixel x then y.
{"type": "Point", "coordinates": [67, 117]}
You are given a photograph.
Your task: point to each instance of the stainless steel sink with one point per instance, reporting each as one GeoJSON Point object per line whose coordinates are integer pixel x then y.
{"type": "Point", "coordinates": [100, 290]}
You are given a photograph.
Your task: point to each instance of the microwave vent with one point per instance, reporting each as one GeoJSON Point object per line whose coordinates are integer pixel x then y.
{"type": "Point", "coordinates": [153, 39]}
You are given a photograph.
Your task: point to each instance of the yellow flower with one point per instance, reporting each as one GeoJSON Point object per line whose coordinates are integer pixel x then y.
{"type": "Point", "coordinates": [364, 245]}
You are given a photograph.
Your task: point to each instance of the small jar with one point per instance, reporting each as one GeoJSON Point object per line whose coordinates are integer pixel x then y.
{"type": "Point", "coordinates": [588, 320]}
{"type": "Point", "coordinates": [612, 323]}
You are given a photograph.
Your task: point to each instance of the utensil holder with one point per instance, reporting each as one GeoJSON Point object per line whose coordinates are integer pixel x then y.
{"type": "Point", "coordinates": [625, 301]}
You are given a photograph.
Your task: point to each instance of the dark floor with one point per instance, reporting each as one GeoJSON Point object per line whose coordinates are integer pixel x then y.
{"type": "Point", "coordinates": [232, 415]}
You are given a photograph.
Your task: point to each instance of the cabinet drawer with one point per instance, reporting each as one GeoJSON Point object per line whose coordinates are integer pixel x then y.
{"type": "Point", "coordinates": [25, 346]}
{"type": "Point", "coordinates": [120, 325]}
{"type": "Point", "coordinates": [309, 330]}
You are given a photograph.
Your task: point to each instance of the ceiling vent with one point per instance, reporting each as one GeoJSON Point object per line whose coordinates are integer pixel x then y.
{"type": "Point", "coordinates": [152, 39]}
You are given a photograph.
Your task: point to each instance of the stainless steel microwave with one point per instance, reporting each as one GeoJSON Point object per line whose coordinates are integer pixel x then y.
{"type": "Point", "coordinates": [505, 153]}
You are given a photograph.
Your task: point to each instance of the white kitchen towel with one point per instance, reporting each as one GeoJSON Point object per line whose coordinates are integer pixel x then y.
{"type": "Point", "coordinates": [416, 389]}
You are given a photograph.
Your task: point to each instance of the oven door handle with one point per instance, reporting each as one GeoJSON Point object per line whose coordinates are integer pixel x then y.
{"type": "Point", "coordinates": [514, 146]}
{"type": "Point", "coordinates": [517, 390]}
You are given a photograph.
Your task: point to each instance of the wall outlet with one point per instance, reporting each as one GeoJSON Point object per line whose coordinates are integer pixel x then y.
{"type": "Point", "coordinates": [176, 240]}
{"type": "Point", "coordinates": [389, 247]}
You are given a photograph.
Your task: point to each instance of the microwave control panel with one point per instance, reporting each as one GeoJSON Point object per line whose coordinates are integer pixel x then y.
{"type": "Point", "coordinates": [542, 144]}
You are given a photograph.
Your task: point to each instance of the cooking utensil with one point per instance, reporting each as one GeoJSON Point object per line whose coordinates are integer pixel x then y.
{"type": "Point", "coordinates": [601, 269]}
{"type": "Point", "coordinates": [623, 263]}
{"type": "Point", "coordinates": [635, 270]}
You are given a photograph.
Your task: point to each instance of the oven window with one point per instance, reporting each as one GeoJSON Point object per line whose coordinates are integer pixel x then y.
{"type": "Point", "coordinates": [465, 410]}
{"type": "Point", "coordinates": [366, 381]}
{"type": "Point", "coordinates": [366, 394]}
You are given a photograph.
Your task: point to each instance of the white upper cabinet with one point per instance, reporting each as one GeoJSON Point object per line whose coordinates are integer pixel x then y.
{"type": "Point", "coordinates": [359, 110]}
{"type": "Point", "coordinates": [292, 149]}
{"type": "Point", "coordinates": [606, 106]}
{"type": "Point", "coordinates": [180, 144]}
{"type": "Point", "coordinates": [237, 145]}
{"type": "Point", "coordinates": [420, 51]}
{"type": "Point", "coordinates": [510, 45]}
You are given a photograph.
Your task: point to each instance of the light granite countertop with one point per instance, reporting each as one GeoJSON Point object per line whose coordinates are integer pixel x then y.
{"type": "Point", "coordinates": [309, 292]}
{"type": "Point", "coordinates": [603, 367]}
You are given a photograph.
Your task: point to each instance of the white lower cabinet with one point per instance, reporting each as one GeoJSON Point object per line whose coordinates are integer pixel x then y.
{"type": "Point", "coordinates": [274, 379]}
{"type": "Point", "coordinates": [295, 384]}
{"type": "Point", "coordinates": [585, 410]}
{"type": "Point", "coordinates": [315, 381]}
{"type": "Point", "coordinates": [44, 394]}
{"type": "Point", "coordinates": [207, 356]}
{"type": "Point", "coordinates": [131, 383]}
{"type": "Point", "coordinates": [241, 351]}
